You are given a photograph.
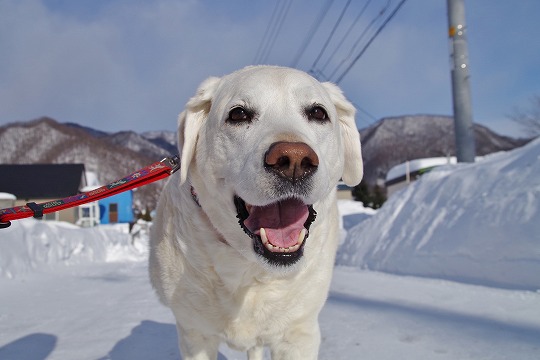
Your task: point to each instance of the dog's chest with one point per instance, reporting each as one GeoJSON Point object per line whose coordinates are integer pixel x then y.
{"type": "Point", "coordinates": [260, 314]}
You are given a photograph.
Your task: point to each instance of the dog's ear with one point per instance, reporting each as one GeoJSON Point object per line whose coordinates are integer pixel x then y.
{"type": "Point", "coordinates": [353, 167]}
{"type": "Point", "coordinates": [191, 120]}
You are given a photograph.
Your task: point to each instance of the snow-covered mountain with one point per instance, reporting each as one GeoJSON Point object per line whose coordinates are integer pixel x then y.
{"type": "Point", "coordinates": [168, 137]}
{"type": "Point", "coordinates": [135, 142]}
{"type": "Point", "coordinates": [386, 143]}
{"type": "Point", "coordinates": [164, 139]}
{"type": "Point", "coordinates": [46, 141]}
{"type": "Point", "coordinates": [392, 141]}
{"type": "Point", "coordinates": [154, 144]}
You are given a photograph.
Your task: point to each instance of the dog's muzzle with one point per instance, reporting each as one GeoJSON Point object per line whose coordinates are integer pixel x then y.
{"type": "Point", "coordinates": [292, 161]}
{"type": "Point", "coordinates": [279, 230]}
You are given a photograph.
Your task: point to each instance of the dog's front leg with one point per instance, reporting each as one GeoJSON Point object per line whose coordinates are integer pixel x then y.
{"type": "Point", "coordinates": [196, 346]}
{"type": "Point", "coordinates": [255, 353]}
{"type": "Point", "coordinates": [301, 342]}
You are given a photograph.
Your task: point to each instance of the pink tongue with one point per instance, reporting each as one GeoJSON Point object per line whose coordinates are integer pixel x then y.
{"type": "Point", "coordinates": [283, 221]}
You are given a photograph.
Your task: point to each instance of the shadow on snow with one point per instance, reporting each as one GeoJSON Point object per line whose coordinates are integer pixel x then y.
{"type": "Point", "coordinates": [148, 340]}
{"type": "Point", "coordinates": [30, 347]}
{"type": "Point", "coordinates": [471, 324]}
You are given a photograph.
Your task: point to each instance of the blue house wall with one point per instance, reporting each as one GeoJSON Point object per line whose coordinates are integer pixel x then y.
{"type": "Point", "coordinates": [122, 203]}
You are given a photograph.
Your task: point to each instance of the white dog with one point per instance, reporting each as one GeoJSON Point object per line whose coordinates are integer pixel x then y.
{"type": "Point", "coordinates": [243, 245]}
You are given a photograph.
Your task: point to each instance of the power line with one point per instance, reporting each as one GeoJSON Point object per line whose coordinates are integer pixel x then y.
{"type": "Point", "coordinates": [311, 32]}
{"type": "Point", "coordinates": [272, 30]}
{"type": "Point", "coordinates": [331, 34]}
{"type": "Point", "coordinates": [266, 33]}
{"type": "Point", "coordinates": [282, 16]}
{"type": "Point", "coordinates": [346, 35]}
{"type": "Point", "coordinates": [370, 41]}
{"type": "Point", "coordinates": [365, 112]}
{"type": "Point", "coordinates": [357, 42]}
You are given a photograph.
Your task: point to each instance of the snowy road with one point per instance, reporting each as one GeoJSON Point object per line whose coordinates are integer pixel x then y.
{"type": "Point", "coordinates": [69, 293]}
{"type": "Point", "coordinates": [108, 311]}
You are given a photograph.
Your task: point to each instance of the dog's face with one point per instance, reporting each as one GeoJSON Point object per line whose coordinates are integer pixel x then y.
{"type": "Point", "coordinates": [262, 147]}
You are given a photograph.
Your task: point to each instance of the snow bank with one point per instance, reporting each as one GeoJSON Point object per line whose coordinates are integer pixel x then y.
{"type": "Point", "coordinates": [478, 223]}
{"type": "Point", "coordinates": [351, 214]}
{"type": "Point", "coordinates": [416, 165]}
{"type": "Point", "coordinates": [29, 245]}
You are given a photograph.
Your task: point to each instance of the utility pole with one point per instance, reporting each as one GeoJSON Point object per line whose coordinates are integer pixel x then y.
{"type": "Point", "coordinates": [461, 93]}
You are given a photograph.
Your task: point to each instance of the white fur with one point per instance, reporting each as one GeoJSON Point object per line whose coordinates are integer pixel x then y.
{"type": "Point", "coordinates": [202, 264]}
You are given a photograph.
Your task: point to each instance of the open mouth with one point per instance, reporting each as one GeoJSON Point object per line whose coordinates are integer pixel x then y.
{"type": "Point", "coordinates": [279, 230]}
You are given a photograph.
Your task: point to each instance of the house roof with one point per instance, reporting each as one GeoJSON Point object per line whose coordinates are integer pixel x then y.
{"type": "Point", "coordinates": [7, 196]}
{"type": "Point", "coordinates": [414, 166]}
{"type": "Point", "coordinates": [42, 181]}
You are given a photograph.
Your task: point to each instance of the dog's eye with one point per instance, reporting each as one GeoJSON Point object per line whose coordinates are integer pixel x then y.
{"type": "Point", "coordinates": [317, 113]}
{"type": "Point", "coordinates": [239, 114]}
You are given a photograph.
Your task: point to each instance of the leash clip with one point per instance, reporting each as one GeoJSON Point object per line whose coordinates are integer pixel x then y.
{"type": "Point", "coordinates": [173, 162]}
{"type": "Point", "coordinates": [36, 209]}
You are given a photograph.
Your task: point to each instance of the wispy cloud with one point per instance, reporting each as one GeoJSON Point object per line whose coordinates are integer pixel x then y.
{"type": "Point", "coordinates": [133, 67]}
{"type": "Point", "coordinates": [119, 65]}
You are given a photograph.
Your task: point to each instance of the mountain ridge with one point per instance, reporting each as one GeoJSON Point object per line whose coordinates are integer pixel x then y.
{"type": "Point", "coordinates": [45, 140]}
{"type": "Point", "coordinates": [386, 143]}
{"type": "Point", "coordinates": [394, 140]}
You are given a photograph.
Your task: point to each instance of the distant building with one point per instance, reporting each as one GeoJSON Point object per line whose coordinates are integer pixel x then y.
{"type": "Point", "coordinates": [43, 182]}
{"type": "Point", "coordinates": [403, 174]}
{"type": "Point", "coordinates": [117, 208]}
{"type": "Point", "coordinates": [344, 191]}
{"type": "Point", "coordinates": [88, 214]}
{"type": "Point", "coordinates": [7, 200]}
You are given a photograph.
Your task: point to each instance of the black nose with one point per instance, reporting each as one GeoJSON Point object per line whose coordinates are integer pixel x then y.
{"type": "Point", "coordinates": [291, 160]}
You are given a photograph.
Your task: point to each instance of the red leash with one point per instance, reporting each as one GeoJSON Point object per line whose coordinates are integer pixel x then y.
{"type": "Point", "coordinates": [149, 174]}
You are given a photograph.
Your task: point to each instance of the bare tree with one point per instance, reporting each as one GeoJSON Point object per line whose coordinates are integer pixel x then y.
{"type": "Point", "coordinates": [528, 118]}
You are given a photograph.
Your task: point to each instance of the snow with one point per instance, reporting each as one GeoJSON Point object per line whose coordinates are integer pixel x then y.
{"type": "Point", "coordinates": [418, 164]}
{"type": "Point", "coordinates": [456, 256]}
{"type": "Point", "coordinates": [110, 312]}
{"type": "Point", "coordinates": [92, 181]}
{"type": "Point", "coordinates": [31, 245]}
{"type": "Point", "coordinates": [168, 136]}
{"type": "Point", "coordinates": [7, 196]}
{"type": "Point", "coordinates": [477, 223]}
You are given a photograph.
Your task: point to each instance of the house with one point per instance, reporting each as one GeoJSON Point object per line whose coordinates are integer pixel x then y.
{"type": "Point", "coordinates": [88, 214]}
{"type": "Point", "coordinates": [117, 208]}
{"type": "Point", "coordinates": [43, 182]}
{"type": "Point", "coordinates": [7, 200]}
{"type": "Point", "coordinates": [110, 210]}
{"type": "Point", "coordinates": [40, 183]}
{"type": "Point", "coordinates": [344, 191]}
{"type": "Point", "coordinates": [403, 174]}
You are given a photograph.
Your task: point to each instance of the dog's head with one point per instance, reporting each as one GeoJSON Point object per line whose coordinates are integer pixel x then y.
{"type": "Point", "coordinates": [262, 147]}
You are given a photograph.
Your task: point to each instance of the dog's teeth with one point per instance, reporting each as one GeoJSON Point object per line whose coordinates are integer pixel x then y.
{"type": "Point", "coordinates": [264, 238]}
{"type": "Point", "coordinates": [265, 241]}
{"type": "Point", "coordinates": [269, 246]}
{"type": "Point", "coordinates": [301, 237]}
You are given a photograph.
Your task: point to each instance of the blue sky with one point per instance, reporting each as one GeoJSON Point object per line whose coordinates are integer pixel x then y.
{"type": "Point", "coordinates": [132, 64]}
